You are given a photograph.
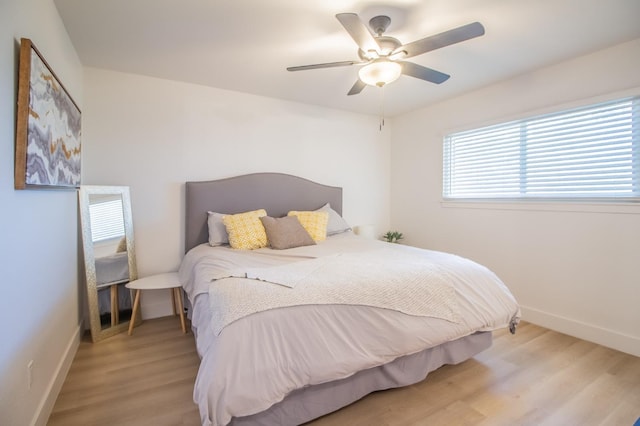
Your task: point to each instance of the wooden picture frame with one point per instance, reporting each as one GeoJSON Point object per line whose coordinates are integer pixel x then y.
{"type": "Point", "coordinates": [48, 127]}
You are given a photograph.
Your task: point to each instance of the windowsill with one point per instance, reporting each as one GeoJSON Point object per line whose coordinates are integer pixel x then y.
{"type": "Point", "coordinates": [548, 206]}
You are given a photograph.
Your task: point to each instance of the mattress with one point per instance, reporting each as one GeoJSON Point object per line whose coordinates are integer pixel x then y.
{"type": "Point", "coordinates": [112, 269]}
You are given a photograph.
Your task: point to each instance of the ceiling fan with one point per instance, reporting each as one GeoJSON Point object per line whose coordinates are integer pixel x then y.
{"type": "Point", "coordinates": [382, 56]}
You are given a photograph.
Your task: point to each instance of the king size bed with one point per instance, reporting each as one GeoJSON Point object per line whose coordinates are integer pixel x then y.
{"type": "Point", "coordinates": [291, 329]}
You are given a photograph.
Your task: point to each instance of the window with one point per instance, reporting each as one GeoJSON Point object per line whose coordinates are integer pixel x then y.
{"type": "Point", "coordinates": [107, 221]}
{"type": "Point", "coordinates": [585, 153]}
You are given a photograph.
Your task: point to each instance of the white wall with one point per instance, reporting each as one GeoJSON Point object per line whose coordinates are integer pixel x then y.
{"type": "Point", "coordinates": [573, 268]}
{"type": "Point", "coordinates": [153, 135]}
{"type": "Point", "coordinates": [39, 308]}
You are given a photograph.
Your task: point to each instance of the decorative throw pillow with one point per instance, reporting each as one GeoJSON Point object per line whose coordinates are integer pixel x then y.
{"type": "Point", "coordinates": [286, 232]}
{"type": "Point", "coordinates": [245, 230]}
{"type": "Point", "coordinates": [336, 224]}
{"type": "Point", "coordinates": [314, 222]}
{"type": "Point", "coordinates": [217, 232]}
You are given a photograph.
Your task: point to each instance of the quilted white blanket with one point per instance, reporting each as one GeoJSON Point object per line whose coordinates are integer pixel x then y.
{"type": "Point", "coordinates": [382, 278]}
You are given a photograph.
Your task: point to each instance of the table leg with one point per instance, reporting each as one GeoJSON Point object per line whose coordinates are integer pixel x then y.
{"type": "Point", "coordinates": [136, 303]}
{"type": "Point", "coordinates": [173, 302]}
{"type": "Point", "coordinates": [178, 296]}
{"type": "Point", "coordinates": [114, 304]}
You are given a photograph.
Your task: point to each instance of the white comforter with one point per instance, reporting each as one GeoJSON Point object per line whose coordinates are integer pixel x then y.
{"type": "Point", "coordinates": [254, 361]}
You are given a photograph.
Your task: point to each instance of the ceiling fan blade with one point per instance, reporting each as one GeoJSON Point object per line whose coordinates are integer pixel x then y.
{"type": "Point", "coordinates": [423, 73]}
{"type": "Point", "coordinates": [443, 39]}
{"type": "Point", "coordinates": [325, 65]}
{"type": "Point", "coordinates": [357, 87]}
{"type": "Point", "coordinates": [358, 32]}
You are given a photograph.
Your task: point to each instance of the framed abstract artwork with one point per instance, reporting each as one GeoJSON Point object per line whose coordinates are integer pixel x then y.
{"type": "Point", "coordinates": [48, 127]}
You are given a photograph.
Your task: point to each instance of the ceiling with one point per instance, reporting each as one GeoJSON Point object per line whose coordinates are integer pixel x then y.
{"type": "Point", "coordinates": [246, 45]}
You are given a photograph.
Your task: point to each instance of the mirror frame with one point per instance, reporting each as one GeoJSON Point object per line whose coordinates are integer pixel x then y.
{"type": "Point", "coordinates": [97, 332]}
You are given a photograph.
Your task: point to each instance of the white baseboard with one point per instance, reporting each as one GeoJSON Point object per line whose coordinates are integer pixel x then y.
{"type": "Point", "coordinates": [602, 336]}
{"type": "Point", "coordinates": [41, 416]}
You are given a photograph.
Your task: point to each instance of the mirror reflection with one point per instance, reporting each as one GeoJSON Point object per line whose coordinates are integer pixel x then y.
{"type": "Point", "coordinates": [109, 257]}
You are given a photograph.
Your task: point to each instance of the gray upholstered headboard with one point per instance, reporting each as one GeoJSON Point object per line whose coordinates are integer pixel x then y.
{"type": "Point", "coordinates": [277, 193]}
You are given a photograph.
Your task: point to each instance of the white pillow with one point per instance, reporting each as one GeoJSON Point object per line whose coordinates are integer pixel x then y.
{"type": "Point", "coordinates": [217, 231]}
{"type": "Point", "coordinates": [336, 224]}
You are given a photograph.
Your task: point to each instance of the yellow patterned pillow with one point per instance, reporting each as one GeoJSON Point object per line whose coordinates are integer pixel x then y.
{"type": "Point", "coordinates": [315, 223]}
{"type": "Point", "coordinates": [246, 230]}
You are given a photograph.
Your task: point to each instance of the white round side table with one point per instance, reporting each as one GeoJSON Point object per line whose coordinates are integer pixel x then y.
{"type": "Point", "coordinates": [158, 282]}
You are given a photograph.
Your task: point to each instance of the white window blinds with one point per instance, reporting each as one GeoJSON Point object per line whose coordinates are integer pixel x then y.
{"type": "Point", "coordinates": [589, 152]}
{"type": "Point", "coordinates": [107, 220]}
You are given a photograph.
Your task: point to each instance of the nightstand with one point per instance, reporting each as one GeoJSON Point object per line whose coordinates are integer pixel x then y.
{"type": "Point", "coordinates": [158, 282]}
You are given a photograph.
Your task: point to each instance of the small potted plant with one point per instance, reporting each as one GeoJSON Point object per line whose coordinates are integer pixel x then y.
{"type": "Point", "coordinates": [393, 236]}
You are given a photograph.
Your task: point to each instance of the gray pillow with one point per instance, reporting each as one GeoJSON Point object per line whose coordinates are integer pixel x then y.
{"type": "Point", "coordinates": [286, 232]}
{"type": "Point", "coordinates": [336, 224]}
{"type": "Point", "coordinates": [217, 231]}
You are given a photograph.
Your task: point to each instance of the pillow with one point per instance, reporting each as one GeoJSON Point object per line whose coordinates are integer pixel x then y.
{"type": "Point", "coordinates": [314, 222]}
{"type": "Point", "coordinates": [217, 232]}
{"type": "Point", "coordinates": [122, 245]}
{"type": "Point", "coordinates": [286, 232]}
{"type": "Point", "coordinates": [245, 230]}
{"type": "Point", "coordinates": [336, 224]}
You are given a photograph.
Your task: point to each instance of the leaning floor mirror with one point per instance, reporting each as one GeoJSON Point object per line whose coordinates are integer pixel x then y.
{"type": "Point", "coordinates": [109, 257]}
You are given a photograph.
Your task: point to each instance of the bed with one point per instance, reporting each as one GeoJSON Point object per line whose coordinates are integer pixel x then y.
{"type": "Point", "coordinates": [278, 348]}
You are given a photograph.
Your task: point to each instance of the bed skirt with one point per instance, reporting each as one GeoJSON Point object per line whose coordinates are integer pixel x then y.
{"type": "Point", "coordinates": [309, 403]}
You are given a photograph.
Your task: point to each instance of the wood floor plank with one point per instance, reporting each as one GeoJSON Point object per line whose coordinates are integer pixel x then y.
{"type": "Point", "coordinates": [535, 377]}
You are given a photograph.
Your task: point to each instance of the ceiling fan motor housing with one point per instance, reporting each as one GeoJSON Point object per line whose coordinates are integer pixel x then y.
{"type": "Point", "coordinates": [387, 46]}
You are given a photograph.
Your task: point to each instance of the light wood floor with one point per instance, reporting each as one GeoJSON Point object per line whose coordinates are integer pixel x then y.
{"type": "Point", "coordinates": [143, 379]}
{"type": "Point", "coordinates": [537, 377]}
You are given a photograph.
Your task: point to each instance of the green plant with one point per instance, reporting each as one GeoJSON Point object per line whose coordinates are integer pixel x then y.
{"type": "Point", "coordinates": [393, 236]}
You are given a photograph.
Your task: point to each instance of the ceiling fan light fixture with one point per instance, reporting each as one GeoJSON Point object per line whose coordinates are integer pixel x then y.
{"type": "Point", "coordinates": [380, 72]}
{"type": "Point", "coordinates": [371, 55]}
